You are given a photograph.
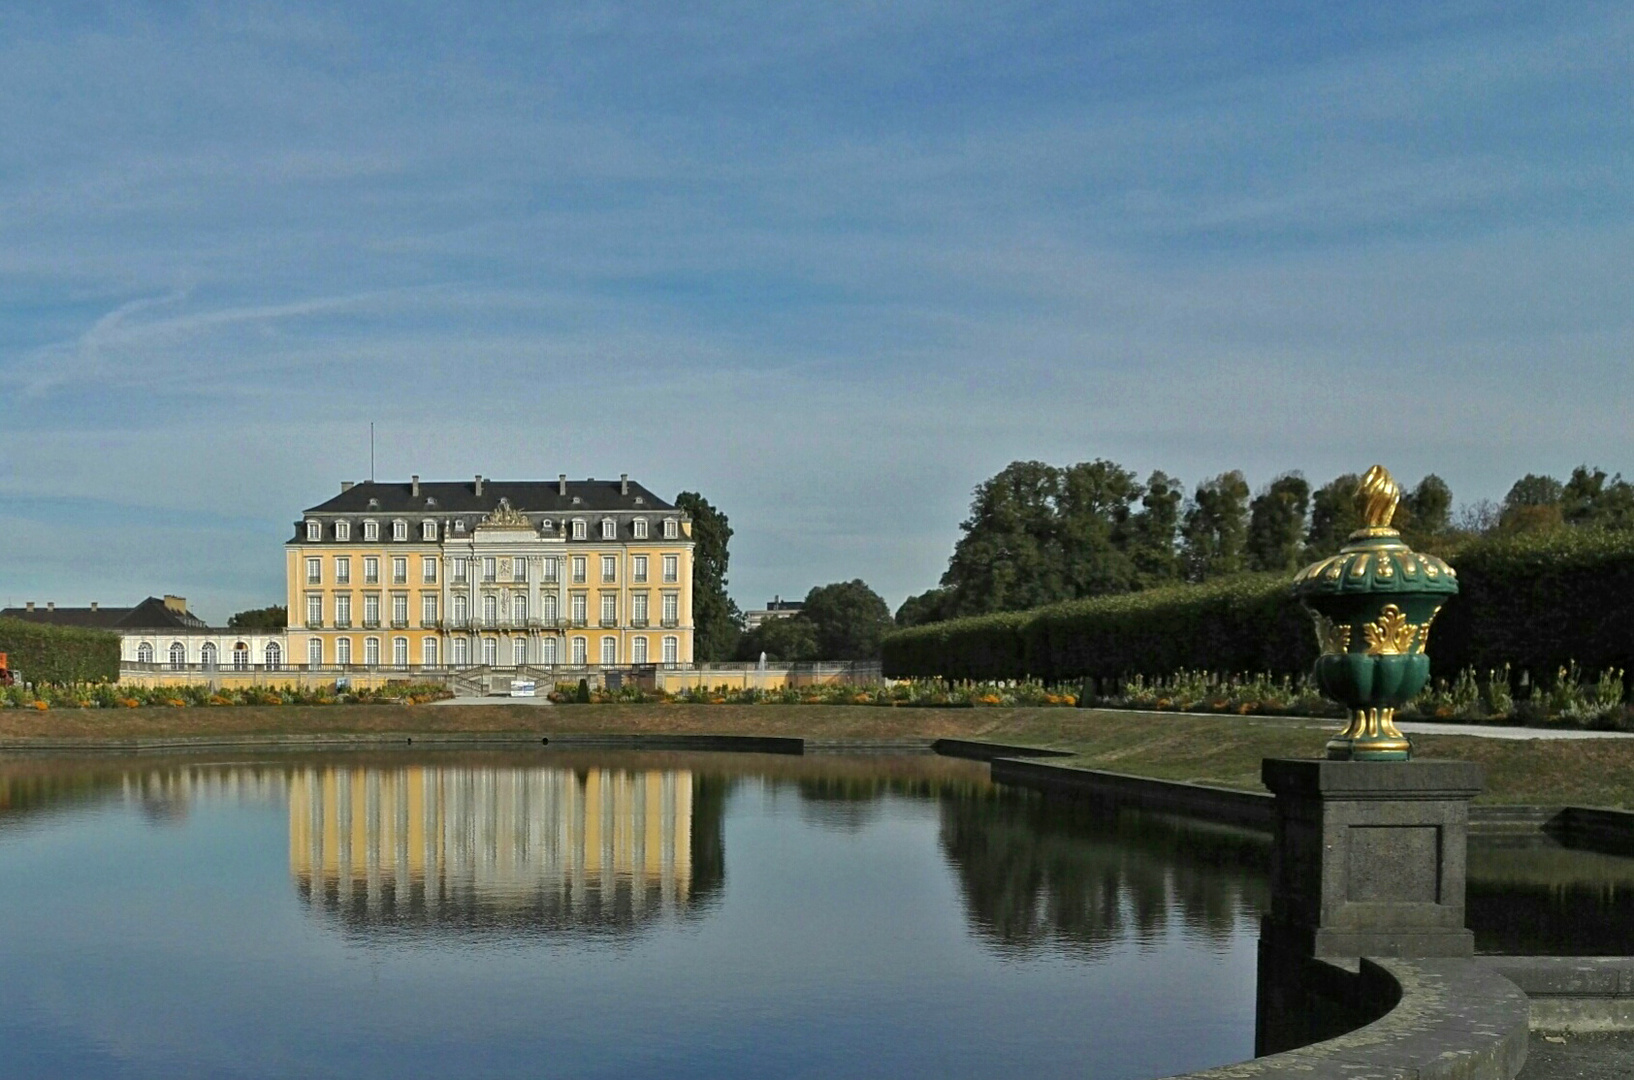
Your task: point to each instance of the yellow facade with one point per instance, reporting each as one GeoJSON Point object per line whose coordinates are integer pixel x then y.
{"type": "Point", "coordinates": [390, 589]}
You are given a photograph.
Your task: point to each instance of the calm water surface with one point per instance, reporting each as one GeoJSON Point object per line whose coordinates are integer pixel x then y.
{"type": "Point", "coordinates": [551, 913]}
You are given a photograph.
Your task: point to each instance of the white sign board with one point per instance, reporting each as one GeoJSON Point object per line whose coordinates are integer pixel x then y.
{"type": "Point", "coordinates": [522, 688]}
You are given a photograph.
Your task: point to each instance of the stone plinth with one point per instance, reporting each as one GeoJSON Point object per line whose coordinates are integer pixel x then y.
{"type": "Point", "coordinates": [1369, 857]}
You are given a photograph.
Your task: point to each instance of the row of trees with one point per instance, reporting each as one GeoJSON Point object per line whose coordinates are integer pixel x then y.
{"type": "Point", "coordinates": [1038, 533]}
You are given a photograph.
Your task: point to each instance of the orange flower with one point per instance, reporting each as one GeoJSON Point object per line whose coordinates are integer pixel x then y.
{"type": "Point", "coordinates": [42, 706]}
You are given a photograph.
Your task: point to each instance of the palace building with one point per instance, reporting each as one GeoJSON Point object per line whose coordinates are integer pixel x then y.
{"type": "Point", "coordinates": [491, 573]}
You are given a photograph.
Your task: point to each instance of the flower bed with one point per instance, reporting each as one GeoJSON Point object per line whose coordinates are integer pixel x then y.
{"type": "Point", "coordinates": [115, 696]}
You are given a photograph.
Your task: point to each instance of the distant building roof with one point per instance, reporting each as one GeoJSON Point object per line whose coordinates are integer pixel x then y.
{"type": "Point", "coordinates": [439, 497]}
{"type": "Point", "coordinates": [169, 613]}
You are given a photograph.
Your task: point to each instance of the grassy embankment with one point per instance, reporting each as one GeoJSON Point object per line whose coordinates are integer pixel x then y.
{"type": "Point", "coordinates": [1219, 750]}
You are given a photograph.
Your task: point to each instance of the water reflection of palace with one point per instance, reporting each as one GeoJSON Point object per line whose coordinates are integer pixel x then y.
{"type": "Point", "coordinates": [500, 848]}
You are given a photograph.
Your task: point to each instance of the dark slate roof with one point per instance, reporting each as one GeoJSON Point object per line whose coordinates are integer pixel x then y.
{"type": "Point", "coordinates": [150, 614]}
{"type": "Point", "coordinates": [537, 496]}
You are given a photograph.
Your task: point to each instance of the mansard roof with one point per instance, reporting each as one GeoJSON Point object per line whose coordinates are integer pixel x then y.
{"type": "Point", "coordinates": [529, 496]}
{"type": "Point", "coordinates": [151, 614]}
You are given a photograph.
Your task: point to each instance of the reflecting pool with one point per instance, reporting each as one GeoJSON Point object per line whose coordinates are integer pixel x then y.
{"type": "Point", "coordinates": [553, 912]}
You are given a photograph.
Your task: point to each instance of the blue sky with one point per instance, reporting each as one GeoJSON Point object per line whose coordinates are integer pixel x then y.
{"type": "Point", "coordinates": [830, 264]}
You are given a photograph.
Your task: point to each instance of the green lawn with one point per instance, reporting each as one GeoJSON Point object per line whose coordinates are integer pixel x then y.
{"type": "Point", "coordinates": [1211, 749]}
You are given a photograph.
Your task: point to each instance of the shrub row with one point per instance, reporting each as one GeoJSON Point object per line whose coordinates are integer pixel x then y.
{"type": "Point", "coordinates": [108, 695]}
{"type": "Point", "coordinates": [59, 655]}
{"type": "Point", "coordinates": [1535, 603]}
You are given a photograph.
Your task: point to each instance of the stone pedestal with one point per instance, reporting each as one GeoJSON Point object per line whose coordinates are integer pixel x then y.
{"type": "Point", "coordinates": [1369, 857]}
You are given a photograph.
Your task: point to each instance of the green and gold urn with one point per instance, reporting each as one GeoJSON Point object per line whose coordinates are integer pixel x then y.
{"type": "Point", "coordinates": [1373, 604]}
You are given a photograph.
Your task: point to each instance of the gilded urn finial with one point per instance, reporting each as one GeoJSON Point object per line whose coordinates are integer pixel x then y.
{"type": "Point", "coordinates": [1373, 603]}
{"type": "Point", "coordinates": [1377, 496]}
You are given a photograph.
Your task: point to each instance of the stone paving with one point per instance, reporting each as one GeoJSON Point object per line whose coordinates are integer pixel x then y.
{"type": "Point", "coordinates": [1595, 1056]}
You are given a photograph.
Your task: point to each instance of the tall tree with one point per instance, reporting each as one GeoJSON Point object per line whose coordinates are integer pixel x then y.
{"type": "Point", "coordinates": [716, 620]}
{"type": "Point", "coordinates": [1590, 498]}
{"type": "Point", "coordinates": [850, 620]}
{"type": "Point", "coordinates": [1094, 528]}
{"type": "Point", "coordinates": [1426, 511]}
{"type": "Point", "coordinates": [788, 639]}
{"type": "Point", "coordinates": [1533, 504]}
{"type": "Point", "coordinates": [932, 605]}
{"type": "Point", "coordinates": [1153, 532]}
{"type": "Point", "coordinates": [1334, 516]}
{"type": "Point", "coordinates": [1276, 523]}
{"type": "Point", "coordinates": [1009, 557]}
{"type": "Point", "coordinates": [1216, 528]}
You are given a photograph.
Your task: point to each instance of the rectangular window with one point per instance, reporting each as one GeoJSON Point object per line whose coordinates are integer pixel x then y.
{"type": "Point", "coordinates": [343, 610]}
{"type": "Point", "coordinates": [314, 610]}
{"type": "Point", "coordinates": [371, 609]}
{"type": "Point", "coordinates": [343, 570]}
{"type": "Point", "coordinates": [638, 609]}
{"type": "Point", "coordinates": [459, 570]}
{"type": "Point", "coordinates": [550, 571]}
{"type": "Point", "coordinates": [638, 651]}
{"type": "Point", "coordinates": [428, 530]}
{"type": "Point", "coordinates": [428, 652]}
{"type": "Point", "coordinates": [609, 529]}
{"type": "Point", "coordinates": [609, 651]}
{"type": "Point", "coordinates": [371, 531]}
{"type": "Point", "coordinates": [490, 651]}
{"type": "Point", "coordinates": [314, 530]}
{"type": "Point", "coordinates": [490, 610]}
{"type": "Point", "coordinates": [580, 605]}
{"type": "Point", "coordinates": [399, 609]}
{"type": "Point", "coordinates": [428, 609]}
{"type": "Point", "coordinates": [638, 569]}
{"type": "Point", "coordinates": [547, 652]}
{"type": "Point", "coordinates": [399, 531]}
{"type": "Point", "coordinates": [580, 569]}
{"type": "Point", "coordinates": [371, 652]}
{"type": "Point", "coordinates": [672, 568]}
{"type": "Point", "coordinates": [609, 609]}
{"type": "Point", "coordinates": [314, 571]}
{"type": "Point", "coordinates": [343, 651]}
{"type": "Point", "coordinates": [343, 530]}
{"type": "Point", "coordinates": [399, 652]}
{"type": "Point", "coordinates": [547, 609]}
{"type": "Point", "coordinates": [462, 652]}
{"type": "Point", "coordinates": [609, 568]}
{"type": "Point", "coordinates": [672, 609]}
{"type": "Point", "coordinates": [428, 570]}
{"type": "Point", "coordinates": [640, 528]}
{"type": "Point", "coordinates": [488, 568]}
{"type": "Point", "coordinates": [519, 609]}
{"type": "Point", "coordinates": [578, 528]}
{"type": "Point", "coordinates": [580, 652]}
{"type": "Point", "coordinates": [672, 651]}
{"type": "Point", "coordinates": [671, 529]}
{"type": "Point", "coordinates": [314, 652]}
{"type": "Point", "coordinates": [371, 570]}
{"type": "Point", "coordinates": [399, 570]}
{"type": "Point", "coordinates": [519, 651]}
{"type": "Point", "coordinates": [519, 570]}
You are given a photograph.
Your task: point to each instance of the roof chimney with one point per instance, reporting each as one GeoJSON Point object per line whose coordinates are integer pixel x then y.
{"type": "Point", "coordinates": [561, 483]}
{"type": "Point", "coordinates": [93, 605]}
{"type": "Point", "coordinates": [479, 483]}
{"type": "Point", "coordinates": [51, 605]}
{"type": "Point", "coordinates": [178, 604]}
{"type": "Point", "coordinates": [30, 605]}
{"type": "Point", "coordinates": [345, 486]}
{"type": "Point", "coordinates": [414, 486]}
{"type": "Point", "coordinates": [623, 483]}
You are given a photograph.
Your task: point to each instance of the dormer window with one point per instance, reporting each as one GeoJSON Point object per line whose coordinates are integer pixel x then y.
{"type": "Point", "coordinates": [672, 529]}
{"type": "Point", "coordinates": [459, 525]}
{"type": "Point", "coordinates": [609, 529]}
{"type": "Point", "coordinates": [428, 530]}
{"type": "Point", "coordinates": [374, 504]}
{"type": "Point", "coordinates": [431, 502]}
{"type": "Point", "coordinates": [343, 530]}
{"type": "Point", "coordinates": [399, 530]}
{"type": "Point", "coordinates": [639, 527]}
{"type": "Point", "coordinates": [371, 531]}
{"type": "Point", "coordinates": [578, 529]}
{"type": "Point", "coordinates": [639, 501]}
{"type": "Point", "coordinates": [314, 530]}
{"type": "Point", "coordinates": [549, 525]}
{"type": "Point", "coordinates": [577, 500]}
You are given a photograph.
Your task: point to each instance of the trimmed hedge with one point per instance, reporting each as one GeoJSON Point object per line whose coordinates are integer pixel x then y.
{"type": "Point", "coordinates": [59, 655]}
{"type": "Point", "coordinates": [1536, 603]}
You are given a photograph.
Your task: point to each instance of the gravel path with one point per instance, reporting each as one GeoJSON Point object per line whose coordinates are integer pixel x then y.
{"type": "Point", "coordinates": [1495, 731]}
{"type": "Point", "coordinates": [1601, 1056]}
